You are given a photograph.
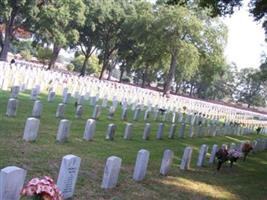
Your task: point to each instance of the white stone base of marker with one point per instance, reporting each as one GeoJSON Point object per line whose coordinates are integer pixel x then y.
{"type": "Point", "coordinates": [147, 130]}
{"type": "Point", "coordinates": [111, 172]}
{"type": "Point", "coordinates": [60, 110]}
{"type": "Point", "coordinates": [37, 109]}
{"type": "Point", "coordinates": [202, 155]}
{"type": "Point", "coordinates": [172, 131]}
{"type": "Point", "coordinates": [128, 131]}
{"type": "Point", "coordinates": [186, 159]}
{"type": "Point", "coordinates": [141, 165]}
{"type": "Point", "coordinates": [12, 105]}
{"type": "Point", "coordinates": [213, 154]}
{"type": "Point", "coordinates": [191, 130]}
{"type": "Point", "coordinates": [31, 129]}
{"type": "Point", "coordinates": [166, 162]}
{"type": "Point", "coordinates": [79, 111]}
{"type": "Point", "coordinates": [11, 182]}
{"type": "Point", "coordinates": [160, 131]}
{"type": "Point", "coordinates": [68, 175]}
{"type": "Point", "coordinates": [110, 132]}
{"type": "Point", "coordinates": [51, 96]}
{"type": "Point", "coordinates": [63, 130]}
{"type": "Point", "coordinates": [89, 130]}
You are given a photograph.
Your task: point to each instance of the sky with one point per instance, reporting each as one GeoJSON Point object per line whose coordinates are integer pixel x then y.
{"type": "Point", "coordinates": [245, 39]}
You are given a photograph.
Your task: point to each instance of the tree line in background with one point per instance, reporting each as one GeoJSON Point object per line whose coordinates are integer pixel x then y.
{"type": "Point", "coordinates": [177, 43]}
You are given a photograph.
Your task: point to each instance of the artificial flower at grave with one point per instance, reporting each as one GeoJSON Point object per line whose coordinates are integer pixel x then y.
{"type": "Point", "coordinates": [41, 189]}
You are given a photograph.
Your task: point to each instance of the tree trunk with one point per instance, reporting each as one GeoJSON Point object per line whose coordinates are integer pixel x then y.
{"type": "Point", "coordinates": [8, 35]}
{"type": "Point", "coordinates": [144, 77]}
{"type": "Point", "coordinates": [191, 90]}
{"type": "Point", "coordinates": [171, 74]}
{"type": "Point", "coordinates": [56, 50]}
{"type": "Point", "coordinates": [109, 73]}
{"type": "Point", "coordinates": [104, 67]}
{"type": "Point", "coordinates": [82, 73]}
{"type": "Point", "coordinates": [121, 74]}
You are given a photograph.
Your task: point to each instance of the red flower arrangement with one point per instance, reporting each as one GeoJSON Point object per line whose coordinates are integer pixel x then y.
{"type": "Point", "coordinates": [42, 189]}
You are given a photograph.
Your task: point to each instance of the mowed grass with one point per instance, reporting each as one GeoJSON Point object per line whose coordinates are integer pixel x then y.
{"type": "Point", "coordinates": [246, 180]}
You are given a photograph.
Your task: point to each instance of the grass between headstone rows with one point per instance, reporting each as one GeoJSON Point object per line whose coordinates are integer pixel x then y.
{"type": "Point", "coordinates": [246, 180]}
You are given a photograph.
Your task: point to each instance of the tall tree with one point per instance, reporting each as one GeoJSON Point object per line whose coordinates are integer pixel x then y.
{"type": "Point", "coordinates": [57, 23]}
{"type": "Point", "coordinates": [251, 89]}
{"type": "Point", "coordinates": [108, 17]}
{"type": "Point", "coordinates": [14, 15]}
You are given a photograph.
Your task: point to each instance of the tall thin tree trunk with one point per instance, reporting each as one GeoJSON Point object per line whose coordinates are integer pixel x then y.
{"type": "Point", "coordinates": [56, 50]}
{"type": "Point", "coordinates": [8, 35]}
{"type": "Point", "coordinates": [171, 74]}
{"type": "Point", "coordinates": [109, 73]}
{"type": "Point", "coordinates": [121, 74]}
{"type": "Point", "coordinates": [82, 73]}
{"type": "Point", "coordinates": [144, 77]}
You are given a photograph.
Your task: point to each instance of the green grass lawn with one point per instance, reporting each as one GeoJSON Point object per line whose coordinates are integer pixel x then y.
{"type": "Point", "coordinates": [246, 180]}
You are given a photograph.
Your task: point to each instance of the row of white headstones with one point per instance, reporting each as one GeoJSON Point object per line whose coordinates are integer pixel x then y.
{"type": "Point", "coordinates": [32, 124]}
{"type": "Point", "coordinates": [23, 74]}
{"type": "Point", "coordinates": [12, 178]}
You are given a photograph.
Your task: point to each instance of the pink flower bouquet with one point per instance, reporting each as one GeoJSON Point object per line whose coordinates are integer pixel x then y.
{"type": "Point", "coordinates": [42, 189]}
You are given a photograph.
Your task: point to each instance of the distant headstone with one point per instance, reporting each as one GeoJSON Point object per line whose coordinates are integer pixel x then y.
{"type": "Point", "coordinates": [79, 111]}
{"type": "Point", "coordinates": [12, 105]}
{"type": "Point", "coordinates": [60, 110]}
{"type": "Point", "coordinates": [156, 114]}
{"type": "Point", "coordinates": [111, 172]}
{"type": "Point", "coordinates": [213, 154]}
{"type": "Point", "coordinates": [15, 91]}
{"type": "Point", "coordinates": [105, 102]}
{"type": "Point", "coordinates": [63, 130]}
{"type": "Point", "coordinates": [186, 159]}
{"type": "Point", "coordinates": [128, 131]}
{"type": "Point", "coordinates": [173, 119]}
{"type": "Point", "coordinates": [166, 162]}
{"type": "Point", "coordinates": [93, 101]}
{"type": "Point", "coordinates": [172, 131]}
{"type": "Point", "coordinates": [80, 100]}
{"type": "Point", "coordinates": [182, 130]}
{"type": "Point", "coordinates": [110, 132]}
{"type": "Point", "coordinates": [146, 115]}
{"type": "Point", "coordinates": [191, 130]}
{"type": "Point", "coordinates": [34, 94]}
{"type": "Point", "coordinates": [111, 112]}
{"type": "Point", "coordinates": [202, 155]}
{"type": "Point", "coordinates": [68, 174]}
{"type": "Point", "coordinates": [89, 130]}
{"type": "Point", "coordinates": [31, 129]}
{"type": "Point", "coordinates": [97, 112]}
{"type": "Point", "coordinates": [65, 91]}
{"type": "Point", "coordinates": [51, 96]}
{"type": "Point", "coordinates": [66, 98]}
{"type": "Point", "coordinates": [147, 130]}
{"type": "Point", "coordinates": [160, 131]}
{"type": "Point", "coordinates": [11, 182]}
{"type": "Point", "coordinates": [136, 114]}
{"type": "Point", "coordinates": [124, 114]}
{"type": "Point", "coordinates": [37, 109]}
{"type": "Point", "coordinates": [141, 165]}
